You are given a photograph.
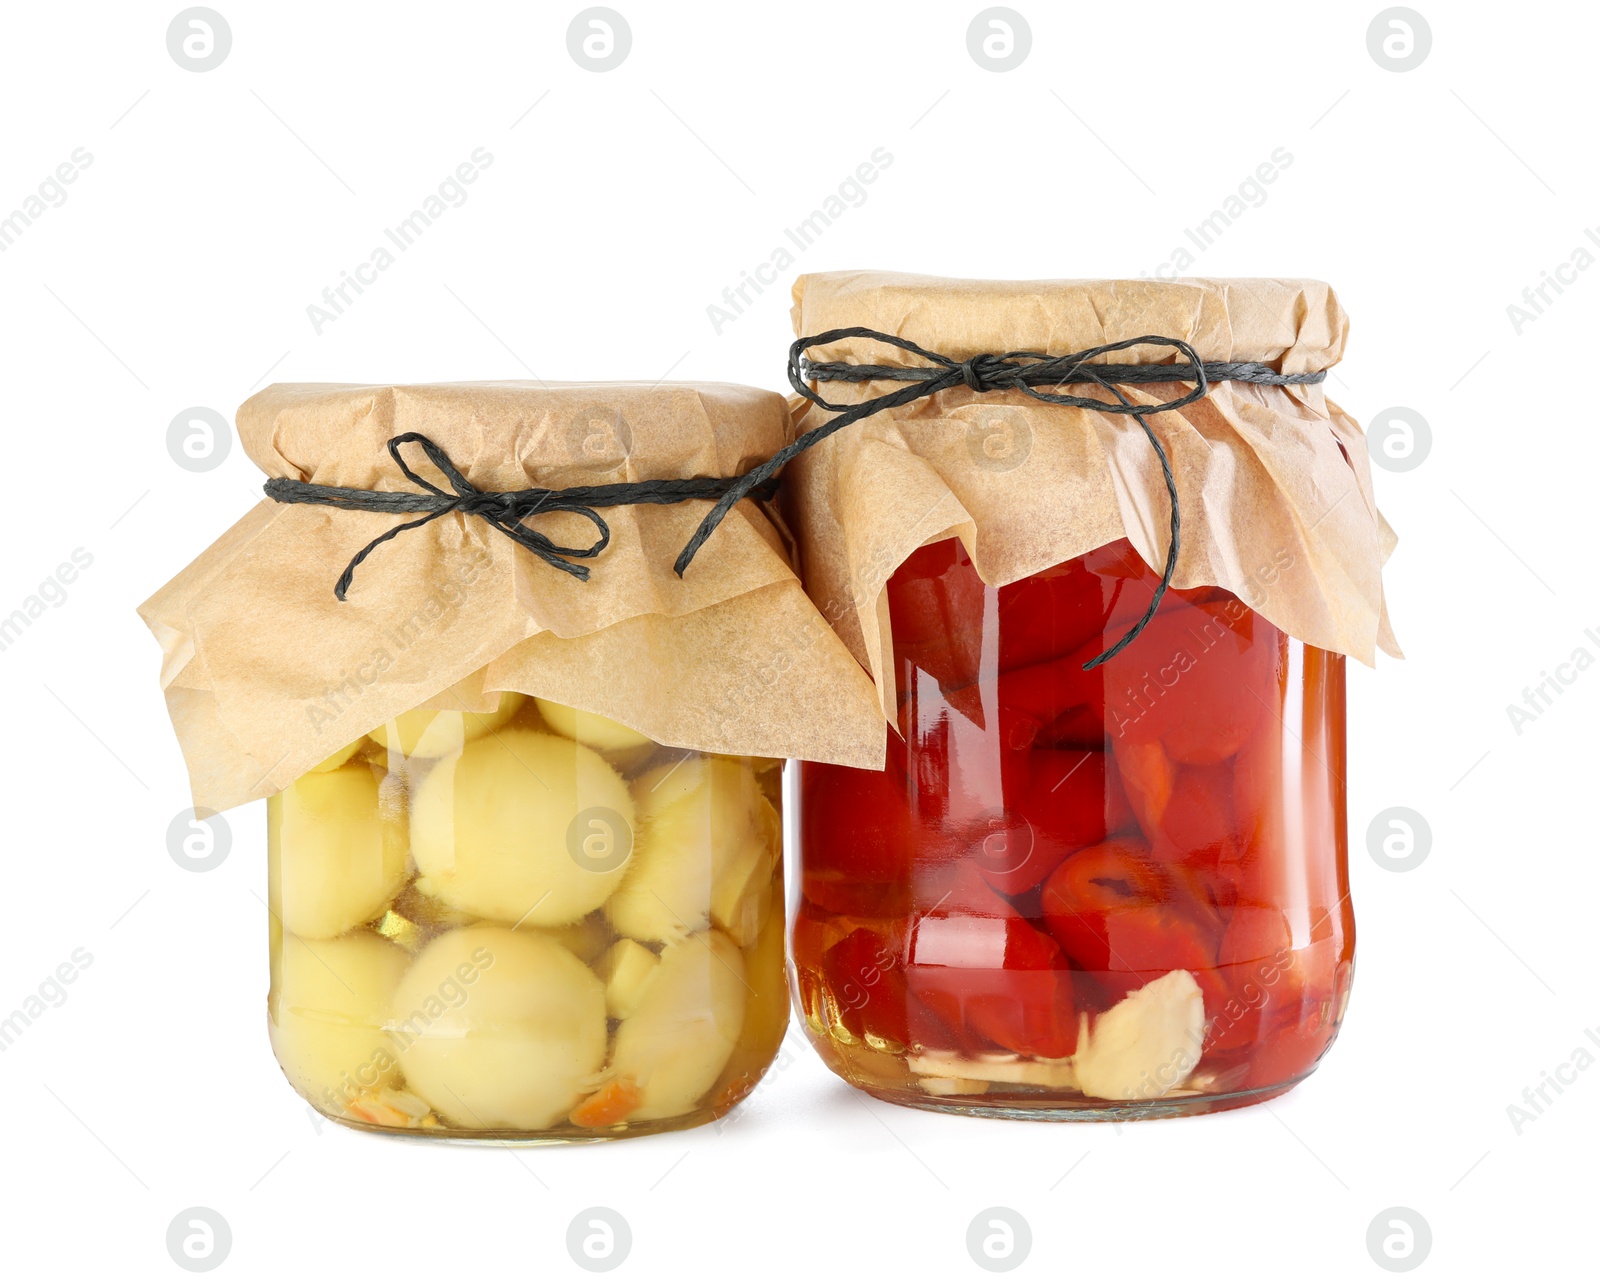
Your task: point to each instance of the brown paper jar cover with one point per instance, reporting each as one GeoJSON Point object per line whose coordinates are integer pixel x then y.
{"type": "Point", "coordinates": [266, 673]}
{"type": "Point", "coordinates": [1274, 486]}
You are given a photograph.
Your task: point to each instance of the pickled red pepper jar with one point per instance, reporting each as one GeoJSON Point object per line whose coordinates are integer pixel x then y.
{"type": "Point", "coordinates": [523, 820]}
{"type": "Point", "coordinates": [1082, 889]}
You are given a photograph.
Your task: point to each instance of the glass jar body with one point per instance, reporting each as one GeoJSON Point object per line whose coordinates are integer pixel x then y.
{"type": "Point", "coordinates": [531, 924]}
{"type": "Point", "coordinates": [1114, 893]}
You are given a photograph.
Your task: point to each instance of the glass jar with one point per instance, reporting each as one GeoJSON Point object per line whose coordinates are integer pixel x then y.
{"type": "Point", "coordinates": [1114, 893]}
{"type": "Point", "coordinates": [533, 923]}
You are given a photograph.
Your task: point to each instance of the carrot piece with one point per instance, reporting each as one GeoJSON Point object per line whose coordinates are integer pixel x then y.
{"type": "Point", "coordinates": [610, 1105]}
{"type": "Point", "coordinates": [374, 1112]}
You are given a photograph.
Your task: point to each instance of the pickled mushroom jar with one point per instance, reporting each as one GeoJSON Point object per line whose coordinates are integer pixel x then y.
{"type": "Point", "coordinates": [1082, 889]}
{"type": "Point", "coordinates": [524, 870]}
{"type": "Point", "coordinates": [531, 920]}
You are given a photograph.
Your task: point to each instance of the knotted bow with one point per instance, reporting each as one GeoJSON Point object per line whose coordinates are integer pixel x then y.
{"type": "Point", "coordinates": [506, 511]}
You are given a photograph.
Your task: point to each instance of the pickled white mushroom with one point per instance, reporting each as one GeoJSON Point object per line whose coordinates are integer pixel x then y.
{"type": "Point", "coordinates": [326, 1013]}
{"type": "Point", "coordinates": [338, 860]}
{"type": "Point", "coordinates": [499, 1029]}
{"type": "Point", "coordinates": [1146, 1044]}
{"type": "Point", "coordinates": [590, 729]}
{"type": "Point", "coordinates": [742, 894]}
{"type": "Point", "coordinates": [496, 829]}
{"type": "Point", "coordinates": [437, 733]}
{"type": "Point", "coordinates": [687, 1024]}
{"type": "Point", "coordinates": [702, 840]}
{"type": "Point", "coordinates": [627, 970]}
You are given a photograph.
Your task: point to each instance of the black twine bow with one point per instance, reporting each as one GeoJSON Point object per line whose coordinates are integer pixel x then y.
{"type": "Point", "coordinates": [1021, 371]}
{"type": "Point", "coordinates": [506, 511]}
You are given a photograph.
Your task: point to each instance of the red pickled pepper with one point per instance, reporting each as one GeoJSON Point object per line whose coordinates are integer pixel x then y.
{"type": "Point", "coordinates": [1047, 839]}
{"type": "Point", "coordinates": [978, 964]}
{"type": "Point", "coordinates": [1113, 911]}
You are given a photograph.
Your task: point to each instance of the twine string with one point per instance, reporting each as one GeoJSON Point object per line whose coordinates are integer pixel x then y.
{"type": "Point", "coordinates": [1021, 371]}
{"type": "Point", "coordinates": [507, 511]}
{"type": "Point", "coordinates": [1025, 372]}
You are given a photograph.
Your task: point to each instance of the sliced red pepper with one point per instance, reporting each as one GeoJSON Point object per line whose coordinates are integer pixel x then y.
{"type": "Point", "coordinates": [1131, 584]}
{"type": "Point", "coordinates": [1118, 917]}
{"type": "Point", "coordinates": [936, 611]}
{"type": "Point", "coordinates": [1299, 1022]}
{"type": "Point", "coordinates": [1205, 893]}
{"type": "Point", "coordinates": [857, 840]}
{"type": "Point", "coordinates": [1295, 994]}
{"type": "Point", "coordinates": [1257, 935]}
{"type": "Point", "coordinates": [1259, 869]}
{"type": "Point", "coordinates": [1048, 690]}
{"type": "Point", "coordinates": [979, 965]}
{"type": "Point", "coordinates": [866, 977]}
{"type": "Point", "coordinates": [811, 934]}
{"type": "Point", "coordinates": [1198, 823]}
{"type": "Point", "coordinates": [844, 895]}
{"type": "Point", "coordinates": [1148, 777]}
{"type": "Point", "coordinates": [1184, 718]}
{"type": "Point", "coordinates": [1284, 1056]}
{"type": "Point", "coordinates": [1193, 681]}
{"type": "Point", "coordinates": [1071, 803]}
{"type": "Point", "coordinates": [1066, 782]}
{"type": "Point", "coordinates": [856, 823]}
{"type": "Point", "coordinates": [936, 607]}
{"type": "Point", "coordinates": [1255, 978]}
{"type": "Point", "coordinates": [1010, 854]}
{"type": "Point", "coordinates": [961, 774]}
{"type": "Point", "coordinates": [1233, 1019]}
{"type": "Point", "coordinates": [866, 980]}
{"type": "Point", "coordinates": [1050, 614]}
{"type": "Point", "coordinates": [1128, 583]}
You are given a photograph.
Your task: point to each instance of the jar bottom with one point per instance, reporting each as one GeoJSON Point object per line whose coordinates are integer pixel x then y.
{"type": "Point", "coordinates": [1021, 1106]}
{"type": "Point", "coordinates": [563, 1137]}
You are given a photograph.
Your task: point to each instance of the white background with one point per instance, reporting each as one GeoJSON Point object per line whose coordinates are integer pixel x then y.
{"type": "Point", "coordinates": [218, 205]}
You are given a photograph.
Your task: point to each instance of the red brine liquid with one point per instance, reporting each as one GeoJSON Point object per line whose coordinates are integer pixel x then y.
{"type": "Point", "coordinates": [1120, 891]}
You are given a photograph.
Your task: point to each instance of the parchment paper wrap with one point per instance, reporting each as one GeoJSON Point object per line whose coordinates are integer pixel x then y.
{"type": "Point", "coordinates": [1274, 487]}
{"type": "Point", "coordinates": [266, 674]}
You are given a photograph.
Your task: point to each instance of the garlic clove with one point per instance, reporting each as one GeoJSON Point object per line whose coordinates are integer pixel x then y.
{"type": "Point", "coordinates": [627, 970]}
{"type": "Point", "coordinates": [742, 889]}
{"type": "Point", "coordinates": [676, 1043]}
{"type": "Point", "coordinates": [950, 1087]}
{"type": "Point", "coordinates": [700, 840]}
{"type": "Point", "coordinates": [1048, 1073]}
{"type": "Point", "coordinates": [1146, 1044]}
